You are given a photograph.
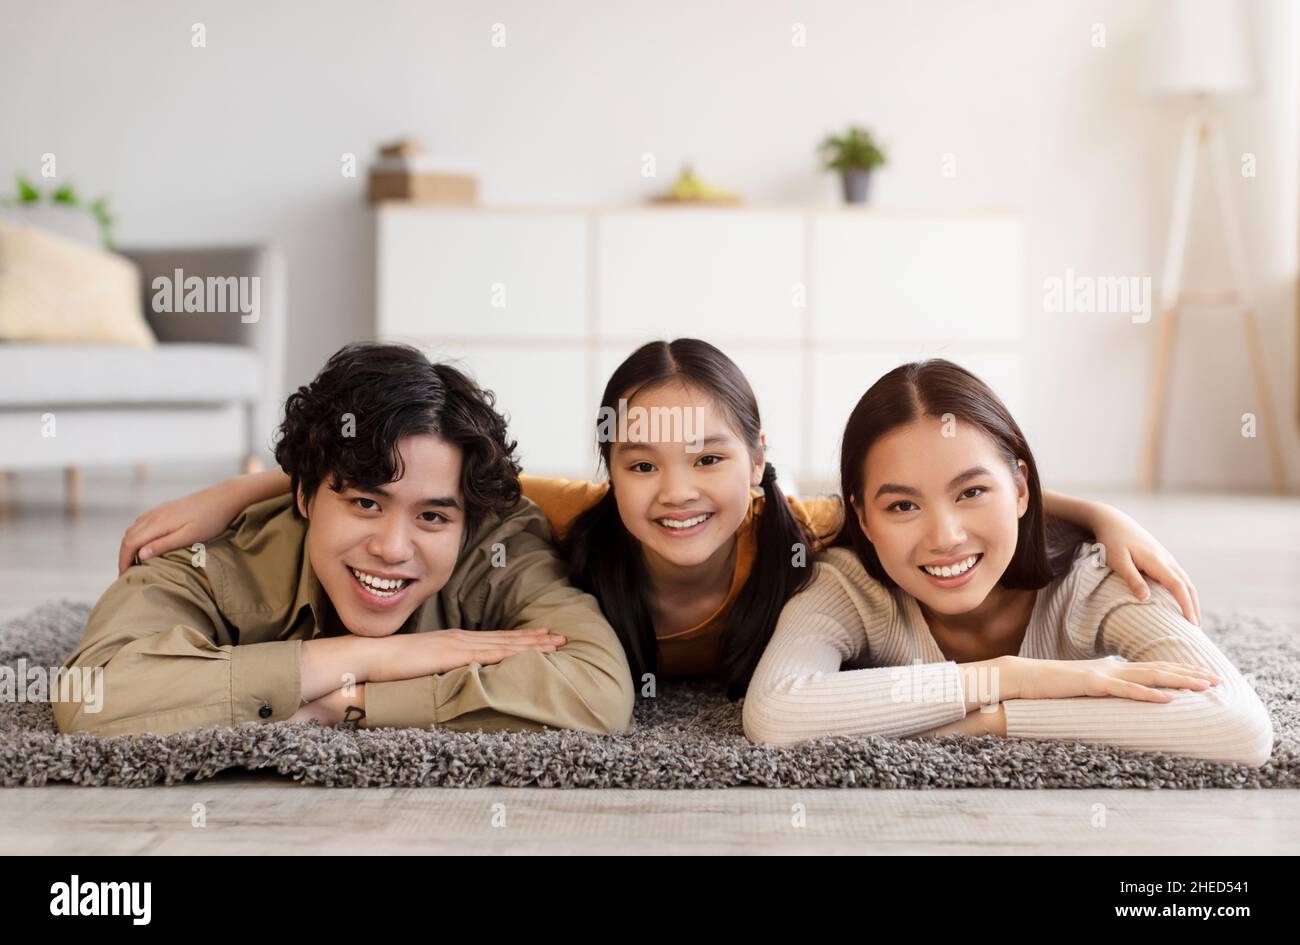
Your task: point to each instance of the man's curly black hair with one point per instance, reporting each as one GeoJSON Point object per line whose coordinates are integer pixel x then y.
{"type": "Point", "coordinates": [381, 393]}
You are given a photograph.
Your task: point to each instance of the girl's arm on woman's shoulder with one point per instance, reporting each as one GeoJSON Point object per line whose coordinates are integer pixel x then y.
{"type": "Point", "coordinates": [1226, 723]}
{"type": "Point", "coordinates": [1130, 548]}
{"type": "Point", "coordinates": [799, 691]}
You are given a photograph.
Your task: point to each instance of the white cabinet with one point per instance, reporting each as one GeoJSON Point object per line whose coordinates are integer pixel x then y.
{"type": "Point", "coordinates": [814, 305]}
{"type": "Point", "coordinates": [477, 274]}
{"type": "Point", "coordinates": [678, 272]}
{"type": "Point", "coordinates": [883, 279]}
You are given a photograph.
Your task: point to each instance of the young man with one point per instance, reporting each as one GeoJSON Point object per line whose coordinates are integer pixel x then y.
{"type": "Point", "coordinates": [408, 583]}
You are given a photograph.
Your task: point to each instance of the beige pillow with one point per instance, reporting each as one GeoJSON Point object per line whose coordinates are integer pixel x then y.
{"type": "Point", "coordinates": [54, 289]}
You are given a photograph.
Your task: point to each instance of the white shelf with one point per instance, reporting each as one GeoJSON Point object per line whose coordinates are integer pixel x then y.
{"type": "Point", "coordinates": [813, 303]}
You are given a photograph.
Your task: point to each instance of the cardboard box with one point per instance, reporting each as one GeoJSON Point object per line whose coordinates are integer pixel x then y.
{"type": "Point", "coordinates": [402, 148]}
{"type": "Point", "coordinates": [423, 187]}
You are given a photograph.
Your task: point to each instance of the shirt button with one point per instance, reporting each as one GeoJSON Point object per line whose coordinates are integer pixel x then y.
{"type": "Point", "coordinates": [264, 712]}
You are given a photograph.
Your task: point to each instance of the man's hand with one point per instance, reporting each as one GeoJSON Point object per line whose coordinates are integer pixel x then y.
{"type": "Point", "coordinates": [326, 663]}
{"type": "Point", "coordinates": [412, 655]}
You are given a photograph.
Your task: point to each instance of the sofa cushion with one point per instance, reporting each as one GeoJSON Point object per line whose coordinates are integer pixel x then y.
{"type": "Point", "coordinates": [53, 289]}
{"type": "Point", "coordinates": [39, 374]}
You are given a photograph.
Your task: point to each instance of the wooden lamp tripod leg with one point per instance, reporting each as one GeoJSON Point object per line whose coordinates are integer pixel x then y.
{"type": "Point", "coordinates": [1245, 300]}
{"type": "Point", "coordinates": [1170, 288]}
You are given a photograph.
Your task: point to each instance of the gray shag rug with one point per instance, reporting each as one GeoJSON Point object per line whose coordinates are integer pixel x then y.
{"type": "Point", "coordinates": [690, 736]}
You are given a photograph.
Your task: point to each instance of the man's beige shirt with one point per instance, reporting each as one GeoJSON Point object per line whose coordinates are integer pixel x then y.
{"type": "Point", "coordinates": [212, 636]}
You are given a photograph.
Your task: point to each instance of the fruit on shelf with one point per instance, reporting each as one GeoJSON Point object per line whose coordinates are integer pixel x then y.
{"type": "Point", "coordinates": [688, 188]}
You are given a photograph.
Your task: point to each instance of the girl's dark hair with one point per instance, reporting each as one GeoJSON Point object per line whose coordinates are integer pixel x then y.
{"type": "Point", "coordinates": [606, 561]}
{"type": "Point", "coordinates": [935, 388]}
{"type": "Point", "coordinates": [342, 429]}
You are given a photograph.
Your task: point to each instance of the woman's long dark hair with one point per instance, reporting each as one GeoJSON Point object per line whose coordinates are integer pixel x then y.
{"type": "Point", "coordinates": [605, 560]}
{"type": "Point", "coordinates": [935, 388]}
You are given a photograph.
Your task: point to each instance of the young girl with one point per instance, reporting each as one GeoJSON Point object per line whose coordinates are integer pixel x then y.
{"type": "Point", "coordinates": [688, 557]}
{"type": "Point", "coordinates": [945, 593]}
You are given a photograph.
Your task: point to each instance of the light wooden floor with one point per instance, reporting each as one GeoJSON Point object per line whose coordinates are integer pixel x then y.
{"type": "Point", "coordinates": [252, 814]}
{"type": "Point", "coordinates": [1243, 552]}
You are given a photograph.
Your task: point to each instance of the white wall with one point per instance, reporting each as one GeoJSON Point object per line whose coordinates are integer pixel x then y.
{"type": "Point", "coordinates": [242, 140]}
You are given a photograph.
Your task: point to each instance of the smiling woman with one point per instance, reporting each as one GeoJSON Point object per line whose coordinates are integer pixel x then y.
{"type": "Point", "coordinates": [947, 570]}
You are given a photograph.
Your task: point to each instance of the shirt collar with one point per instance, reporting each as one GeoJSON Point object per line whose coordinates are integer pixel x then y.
{"type": "Point", "coordinates": [311, 594]}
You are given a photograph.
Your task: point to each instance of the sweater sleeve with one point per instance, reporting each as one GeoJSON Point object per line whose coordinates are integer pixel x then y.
{"type": "Point", "coordinates": [799, 691]}
{"type": "Point", "coordinates": [1226, 723]}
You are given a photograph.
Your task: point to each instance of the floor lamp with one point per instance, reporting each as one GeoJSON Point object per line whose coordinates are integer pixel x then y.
{"type": "Point", "coordinates": [1201, 51]}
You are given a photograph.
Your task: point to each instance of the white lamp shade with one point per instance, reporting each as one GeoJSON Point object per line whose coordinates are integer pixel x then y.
{"type": "Point", "coordinates": [1199, 47]}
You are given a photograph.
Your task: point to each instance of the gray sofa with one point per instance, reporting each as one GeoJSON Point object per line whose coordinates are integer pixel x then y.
{"type": "Point", "coordinates": [211, 388]}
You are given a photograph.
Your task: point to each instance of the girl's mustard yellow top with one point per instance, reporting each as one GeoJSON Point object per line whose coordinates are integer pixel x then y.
{"type": "Point", "coordinates": [694, 651]}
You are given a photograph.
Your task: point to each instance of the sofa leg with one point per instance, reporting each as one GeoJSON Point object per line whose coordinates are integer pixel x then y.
{"type": "Point", "coordinates": [72, 488]}
{"type": "Point", "coordinates": [252, 463]}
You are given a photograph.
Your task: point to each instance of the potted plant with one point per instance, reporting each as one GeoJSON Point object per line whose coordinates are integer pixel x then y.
{"type": "Point", "coordinates": [853, 154]}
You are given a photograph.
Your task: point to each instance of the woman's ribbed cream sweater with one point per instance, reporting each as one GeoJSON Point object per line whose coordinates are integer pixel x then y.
{"type": "Point", "coordinates": [851, 657]}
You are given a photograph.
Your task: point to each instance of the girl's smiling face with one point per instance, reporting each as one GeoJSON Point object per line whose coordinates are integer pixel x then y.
{"type": "Point", "coordinates": [932, 502]}
{"type": "Point", "coordinates": [682, 496]}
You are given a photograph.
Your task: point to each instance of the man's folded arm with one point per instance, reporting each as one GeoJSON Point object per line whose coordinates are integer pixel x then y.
{"type": "Point", "coordinates": [584, 685]}
{"type": "Point", "coordinates": [154, 635]}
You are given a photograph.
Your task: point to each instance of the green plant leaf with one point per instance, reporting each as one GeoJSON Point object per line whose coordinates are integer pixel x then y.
{"type": "Point", "coordinates": [855, 149]}
{"type": "Point", "coordinates": [99, 209]}
{"type": "Point", "coordinates": [26, 192]}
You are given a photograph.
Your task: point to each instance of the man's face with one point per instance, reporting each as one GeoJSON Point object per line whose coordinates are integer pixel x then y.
{"type": "Point", "coordinates": [381, 553]}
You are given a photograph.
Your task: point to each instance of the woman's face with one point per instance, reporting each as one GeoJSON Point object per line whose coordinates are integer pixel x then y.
{"type": "Point", "coordinates": [681, 475]}
{"type": "Point", "coordinates": [939, 497]}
